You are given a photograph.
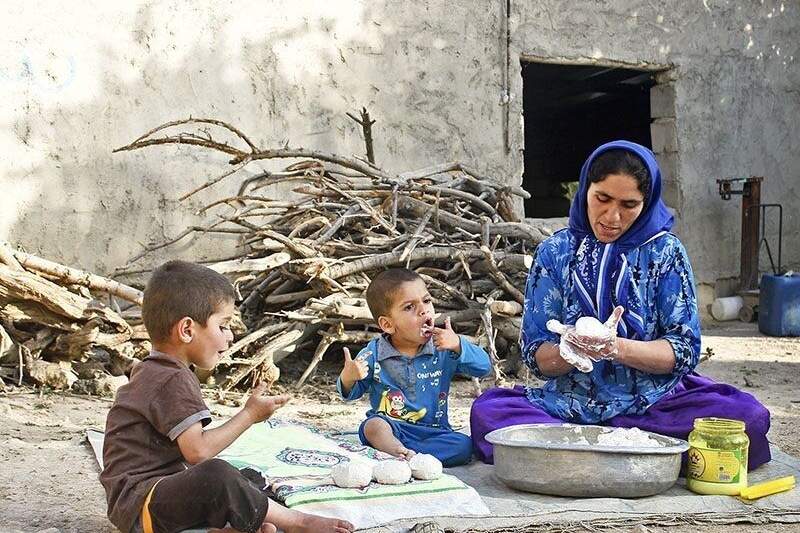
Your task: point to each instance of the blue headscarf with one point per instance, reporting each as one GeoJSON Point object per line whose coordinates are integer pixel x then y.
{"type": "Point", "coordinates": [602, 276]}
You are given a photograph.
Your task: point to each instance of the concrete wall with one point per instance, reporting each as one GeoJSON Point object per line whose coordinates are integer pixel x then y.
{"type": "Point", "coordinates": [78, 82]}
{"type": "Point", "coordinates": [734, 89]}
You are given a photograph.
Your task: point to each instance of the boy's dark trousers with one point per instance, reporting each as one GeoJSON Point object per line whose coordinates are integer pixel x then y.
{"type": "Point", "coordinates": [210, 494]}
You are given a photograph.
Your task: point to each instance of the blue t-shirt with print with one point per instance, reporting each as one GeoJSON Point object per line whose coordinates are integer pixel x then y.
{"type": "Point", "coordinates": [414, 389]}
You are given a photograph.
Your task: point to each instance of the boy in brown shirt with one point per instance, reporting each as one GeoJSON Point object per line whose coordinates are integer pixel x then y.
{"type": "Point", "coordinates": [160, 474]}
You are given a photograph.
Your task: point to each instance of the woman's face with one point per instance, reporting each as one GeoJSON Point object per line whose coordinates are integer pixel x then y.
{"type": "Point", "coordinates": [613, 205]}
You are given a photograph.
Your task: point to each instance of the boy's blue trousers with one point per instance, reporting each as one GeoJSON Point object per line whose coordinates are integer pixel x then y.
{"type": "Point", "coordinates": [450, 447]}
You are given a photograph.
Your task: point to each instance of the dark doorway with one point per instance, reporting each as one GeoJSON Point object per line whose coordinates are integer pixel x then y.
{"type": "Point", "coordinates": [569, 110]}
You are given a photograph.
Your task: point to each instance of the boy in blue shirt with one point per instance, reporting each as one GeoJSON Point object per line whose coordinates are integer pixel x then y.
{"type": "Point", "coordinates": [407, 372]}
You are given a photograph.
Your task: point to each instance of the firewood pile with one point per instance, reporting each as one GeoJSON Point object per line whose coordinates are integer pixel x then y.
{"type": "Point", "coordinates": [306, 255]}
{"type": "Point", "coordinates": [54, 332]}
{"type": "Point", "coordinates": [306, 258]}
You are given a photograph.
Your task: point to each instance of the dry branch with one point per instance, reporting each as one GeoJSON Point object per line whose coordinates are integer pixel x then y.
{"type": "Point", "coordinates": [258, 264]}
{"type": "Point", "coordinates": [366, 125]}
{"type": "Point", "coordinates": [265, 354]}
{"type": "Point", "coordinates": [78, 277]}
{"type": "Point", "coordinates": [7, 256]}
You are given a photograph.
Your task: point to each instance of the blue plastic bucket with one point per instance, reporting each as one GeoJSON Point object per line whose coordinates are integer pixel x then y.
{"type": "Point", "coordinates": [779, 305]}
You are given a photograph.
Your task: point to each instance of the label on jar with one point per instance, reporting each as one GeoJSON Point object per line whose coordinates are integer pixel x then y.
{"type": "Point", "coordinates": [714, 466]}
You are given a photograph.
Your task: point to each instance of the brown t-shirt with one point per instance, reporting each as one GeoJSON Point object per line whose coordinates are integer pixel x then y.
{"type": "Point", "coordinates": [161, 401]}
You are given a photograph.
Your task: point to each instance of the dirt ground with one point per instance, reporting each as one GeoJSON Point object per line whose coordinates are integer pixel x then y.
{"type": "Point", "coordinates": [48, 476]}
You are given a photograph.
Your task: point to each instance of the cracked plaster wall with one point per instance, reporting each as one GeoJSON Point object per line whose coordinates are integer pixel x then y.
{"type": "Point", "coordinates": [734, 84]}
{"type": "Point", "coordinates": [82, 81]}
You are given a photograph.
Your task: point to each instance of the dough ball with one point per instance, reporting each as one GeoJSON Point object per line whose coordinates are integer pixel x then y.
{"type": "Point", "coordinates": [425, 466]}
{"type": "Point", "coordinates": [392, 472]}
{"type": "Point", "coordinates": [352, 475]}
{"type": "Point", "coordinates": [589, 326]}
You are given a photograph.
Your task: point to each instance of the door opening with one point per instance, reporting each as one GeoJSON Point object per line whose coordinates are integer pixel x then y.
{"type": "Point", "coordinates": [569, 110]}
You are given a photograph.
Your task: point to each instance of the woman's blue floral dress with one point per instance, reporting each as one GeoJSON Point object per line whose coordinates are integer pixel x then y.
{"type": "Point", "coordinates": [661, 289]}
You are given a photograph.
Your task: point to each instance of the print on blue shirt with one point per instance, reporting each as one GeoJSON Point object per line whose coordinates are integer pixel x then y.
{"type": "Point", "coordinates": [414, 389]}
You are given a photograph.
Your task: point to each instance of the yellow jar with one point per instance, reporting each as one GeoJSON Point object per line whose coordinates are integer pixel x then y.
{"type": "Point", "coordinates": [717, 461]}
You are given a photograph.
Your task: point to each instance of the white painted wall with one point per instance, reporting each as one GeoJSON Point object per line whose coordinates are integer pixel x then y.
{"type": "Point", "coordinates": [78, 81]}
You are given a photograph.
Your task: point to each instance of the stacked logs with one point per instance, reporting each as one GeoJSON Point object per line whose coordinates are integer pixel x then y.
{"type": "Point", "coordinates": [305, 259]}
{"type": "Point", "coordinates": [54, 332]}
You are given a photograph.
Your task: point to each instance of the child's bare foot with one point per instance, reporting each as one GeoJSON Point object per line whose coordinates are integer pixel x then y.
{"type": "Point", "coordinates": [380, 436]}
{"type": "Point", "coordinates": [265, 528]}
{"type": "Point", "coordinates": [318, 524]}
{"type": "Point", "coordinates": [400, 451]}
{"type": "Point", "coordinates": [291, 521]}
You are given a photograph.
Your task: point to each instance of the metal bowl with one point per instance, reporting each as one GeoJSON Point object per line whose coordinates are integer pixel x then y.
{"type": "Point", "coordinates": [565, 460]}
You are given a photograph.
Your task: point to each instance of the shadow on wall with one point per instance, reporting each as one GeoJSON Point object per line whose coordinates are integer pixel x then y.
{"type": "Point", "coordinates": [279, 75]}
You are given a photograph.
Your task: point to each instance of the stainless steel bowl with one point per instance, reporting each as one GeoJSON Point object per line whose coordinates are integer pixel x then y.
{"type": "Point", "coordinates": [565, 460]}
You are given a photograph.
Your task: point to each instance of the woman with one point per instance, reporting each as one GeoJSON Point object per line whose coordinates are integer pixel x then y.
{"type": "Point", "coordinates": [617, 251]}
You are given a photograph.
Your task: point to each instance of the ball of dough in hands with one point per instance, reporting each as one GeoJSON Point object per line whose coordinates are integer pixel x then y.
{"type": "Point", "coordinates": [392, 472]}
{"type": "Point", "coordinates": [425, 466]}
{"type": "Point", "coordinates": [589, 326]}
{"type": "Point", "coordinates": [352, 475]}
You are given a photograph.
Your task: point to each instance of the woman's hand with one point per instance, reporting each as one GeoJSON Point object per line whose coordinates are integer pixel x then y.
{"type": "Point", "coordinates": [574, 355]}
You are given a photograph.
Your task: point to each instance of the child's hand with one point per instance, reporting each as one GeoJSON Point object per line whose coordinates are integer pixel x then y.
{"type": "Point", "coordinates": [446, 339]}
{"type": "Point", "coordinates": [354, 369]}
{"type": "Point", "coordinates": [262, 407]}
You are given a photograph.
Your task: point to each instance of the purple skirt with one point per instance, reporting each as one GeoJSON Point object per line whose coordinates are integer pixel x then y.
{"type": "Point", "coordinates": [693, 397]}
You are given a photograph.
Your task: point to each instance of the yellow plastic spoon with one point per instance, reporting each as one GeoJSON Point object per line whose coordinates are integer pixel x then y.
{"type": "Point", "coordinates": [773, 486]}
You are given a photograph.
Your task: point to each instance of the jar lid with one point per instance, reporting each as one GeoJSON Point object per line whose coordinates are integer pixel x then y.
{"type": "Point", "coordinates": [721, 425]}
